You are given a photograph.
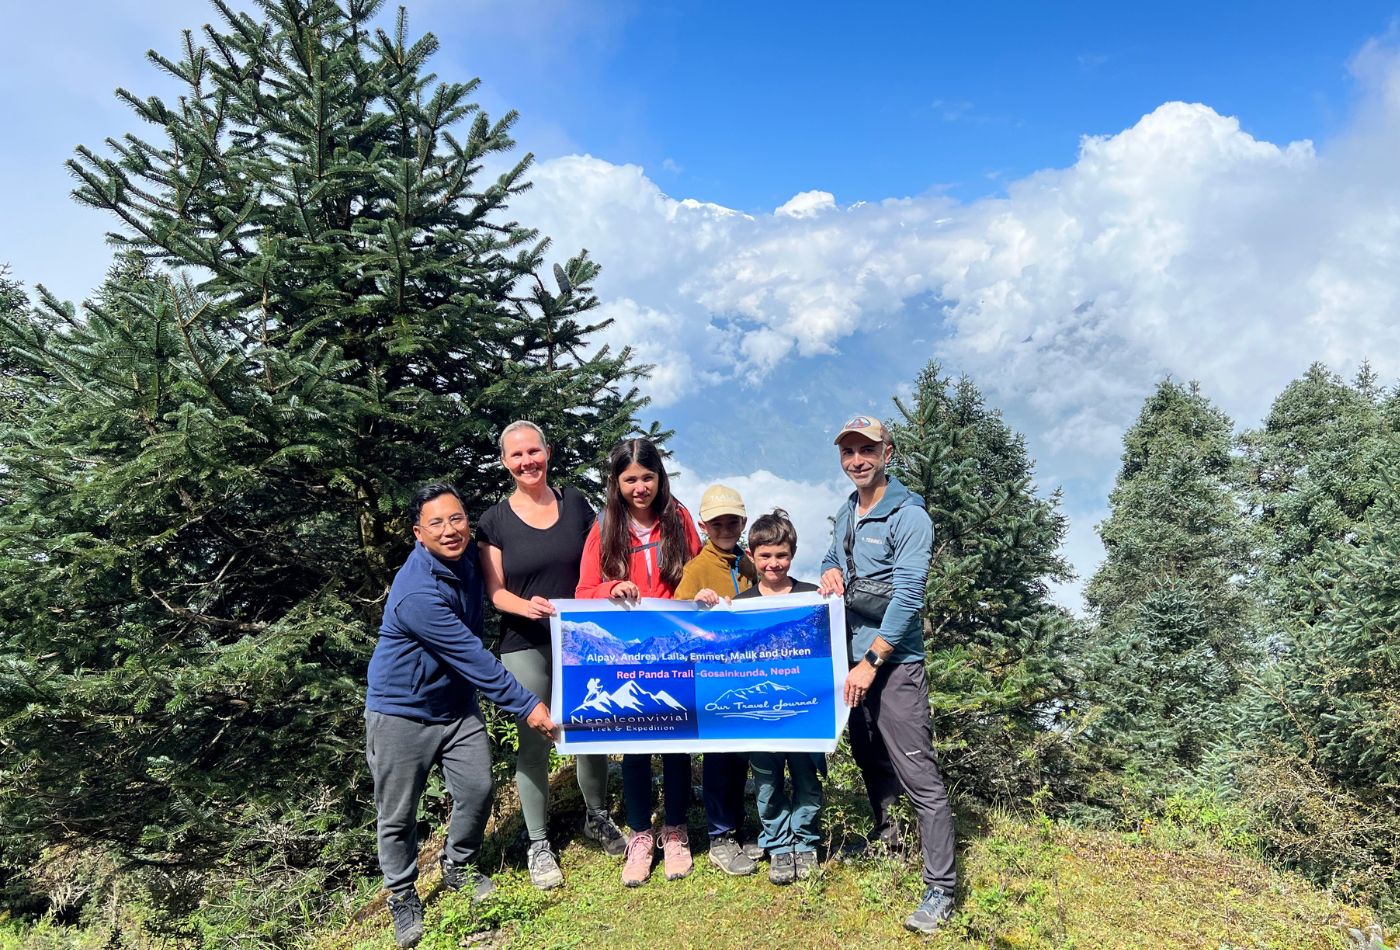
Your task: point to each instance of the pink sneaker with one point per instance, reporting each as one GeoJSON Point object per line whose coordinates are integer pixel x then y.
{"type": "Point", "coordinates": [675, 843]}
{"type": "Point", "coordinates": [637, 866]}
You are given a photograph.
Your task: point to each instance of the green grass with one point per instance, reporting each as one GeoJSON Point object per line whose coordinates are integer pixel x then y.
{"type": "Point", "coordinates": [1025, 884]}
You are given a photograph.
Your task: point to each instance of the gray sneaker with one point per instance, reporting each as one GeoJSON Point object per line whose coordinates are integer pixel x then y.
{"type": "Point", "coordinates": [935, 910]}
{"type": "Point", "coordinates": [465, 877]}
{"type": "Point", "coordinates": [782, 868]}
{"type": "Point", "coordinates": [544, 866]}
{"type": "Point", "coordinates": [407, 912]}
{"type": "Point", "coordinates": [726, 855]}
{"type": "Point", "coordinates": [754, 852]}
{"type": "Point", "coordinates": [600, 828]}
{"type": "Point", "coordinates": [806, 864]}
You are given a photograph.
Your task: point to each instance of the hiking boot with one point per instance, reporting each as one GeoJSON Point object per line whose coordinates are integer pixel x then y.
{"type": "Point", "coordinates": [407, 912]}
{"type": "Point", "coordinates": [544, 866]}
{"type": "Point", "coordinates": [726, 855]}
{"type": "Point", "coordinates": [600, 828]}
{"type": "Point", "coordinates": [752, 850]}
{"type": "Point", "coordinates": [806, 864]}
{"type": "Point", "coordinates": [935, 910]}
{"type": "Point", "coordinates": [637, 868]}
{"type": "Point", "coordinates": [465, 877]}
{"type": "Point", "coordinates": [782, 868]}
{"type": "Point", "coordinates": [675, 845]}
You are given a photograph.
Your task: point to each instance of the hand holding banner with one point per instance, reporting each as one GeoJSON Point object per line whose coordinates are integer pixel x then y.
{"type": "Point", "coordinates": [758, 675]}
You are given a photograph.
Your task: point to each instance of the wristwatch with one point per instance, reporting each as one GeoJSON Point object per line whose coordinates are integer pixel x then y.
{"type": "Point", "coordinates": [874, 659]}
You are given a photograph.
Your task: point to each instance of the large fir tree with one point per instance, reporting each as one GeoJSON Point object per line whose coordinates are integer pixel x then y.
{"type": "Point", "coordinates": [1000, 651]}
{"type": "Point", "coordinates": [1173, 621]}
{"type": "Point", "coordinates": [1319, 754]}
{"type": "Point", "coordinates": [321, 303]}
{"type": "Point", "coordinates": [1309, 481]}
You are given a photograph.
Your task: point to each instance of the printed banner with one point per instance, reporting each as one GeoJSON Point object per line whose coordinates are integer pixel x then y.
{"type": "Point", "coordinates": [762, 674]}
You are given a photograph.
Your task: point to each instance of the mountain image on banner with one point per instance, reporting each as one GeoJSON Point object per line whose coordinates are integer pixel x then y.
{"type": "Point", "coordinates": [767, 700]}
{"type": "Point", "coordinates": [629, 699]}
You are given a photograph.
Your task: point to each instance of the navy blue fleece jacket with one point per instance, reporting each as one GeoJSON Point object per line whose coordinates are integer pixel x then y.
{"type": "Point", "coordinates": [893, 542]}
{"type": "Point", "coordinates": [430, 662]}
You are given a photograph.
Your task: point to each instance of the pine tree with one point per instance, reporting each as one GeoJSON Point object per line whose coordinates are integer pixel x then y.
{"type": "Point", "coordinates": [1000, 651]}
{"type": "Point", "coordinates": [317, 308]}
{"type": "Point", "coordinates": [1309, 480]}
{"type": "Point", "coordinates": [1319, 751]}
{"type": "Point", "coordinates": [1173, 622]}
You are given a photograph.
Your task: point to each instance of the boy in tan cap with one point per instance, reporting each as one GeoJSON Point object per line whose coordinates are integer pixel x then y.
{"type": "Point", "coordinates": [722, 570]}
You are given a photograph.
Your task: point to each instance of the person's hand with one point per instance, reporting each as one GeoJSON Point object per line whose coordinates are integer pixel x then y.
{"type": "Point", "coordinates": [538, 608]}
{"type": "Point", "coordinates": [858, 683]}
{"type": "Point", "coordinates": [539, 721]}
{"type": "Point", "coordinates": [832, 582]}
{"type": "Point", "coordinates": [624, 590]}
{"type": "Point", "coordinates": [708, 597]}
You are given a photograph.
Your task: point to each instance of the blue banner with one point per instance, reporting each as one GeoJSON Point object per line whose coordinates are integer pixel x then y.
{"type": "Point", "coordinates": [762, 674]}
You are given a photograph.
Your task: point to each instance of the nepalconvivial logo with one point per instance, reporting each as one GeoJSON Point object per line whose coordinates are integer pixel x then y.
{"type": "Point", "coordinates": [626, 702]}
{"type": "Point", "coordinates": [768, 701]}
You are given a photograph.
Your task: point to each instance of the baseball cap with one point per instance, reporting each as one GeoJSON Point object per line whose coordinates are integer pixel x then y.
{"type": "Point", "coordinates": [721, 500]}
{"type": "Point", "coordinates": [868, 426]}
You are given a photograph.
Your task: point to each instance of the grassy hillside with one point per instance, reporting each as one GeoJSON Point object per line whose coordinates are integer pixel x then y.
{"type": "Point", "coordinates": [1026, 882]}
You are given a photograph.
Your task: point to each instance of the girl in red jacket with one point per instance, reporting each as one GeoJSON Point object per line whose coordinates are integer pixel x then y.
{"type": "Point", "coordinates": [638, 548]}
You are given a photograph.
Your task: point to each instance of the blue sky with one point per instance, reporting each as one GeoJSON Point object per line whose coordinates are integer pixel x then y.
{"type": "Point", "coordinates": [798, 205]}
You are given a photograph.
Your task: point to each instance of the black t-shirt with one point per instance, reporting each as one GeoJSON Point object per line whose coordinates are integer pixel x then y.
{"type": "Point", "coordinates": [798, 587]}
{"type": "Point", "coordinates": [539, 562]}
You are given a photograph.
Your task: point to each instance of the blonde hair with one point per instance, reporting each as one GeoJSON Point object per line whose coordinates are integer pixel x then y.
{"type": "Point", "coordinates": [516, 426]}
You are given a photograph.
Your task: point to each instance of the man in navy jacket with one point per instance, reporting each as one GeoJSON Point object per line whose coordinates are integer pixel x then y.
{"type": "Point", "coordinates": [422, 708]}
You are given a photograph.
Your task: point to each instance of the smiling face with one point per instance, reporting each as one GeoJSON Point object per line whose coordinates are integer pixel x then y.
{"type": "Point", "coordinates": [637, 486]}
{"type": "Point", "coordinates": [864, 461]}
{"type": "Point", "coordinates": [526, 457]}
{"type": "Point", "coordinates": [442, 528]}
{"type": "Point", "coordinates": [723, 531]}
{"type": "Point", "coordinates": [773, 562]}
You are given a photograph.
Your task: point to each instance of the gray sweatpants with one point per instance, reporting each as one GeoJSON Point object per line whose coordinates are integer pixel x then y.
{"type": "Point", "coordinates": [892, 743]}
{"type": "Point", "coordinates": [532, 667]}
{"type": "Point", "coordinates": [401, 752]}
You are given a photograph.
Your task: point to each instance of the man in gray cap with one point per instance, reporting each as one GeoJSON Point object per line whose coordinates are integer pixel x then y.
{"type": "Point", "coordinates": [879, 557]}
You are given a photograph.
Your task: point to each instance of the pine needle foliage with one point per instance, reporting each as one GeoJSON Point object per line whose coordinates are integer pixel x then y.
{"type": "Point", "coordinates": [1309, 481]}
{"type": "Point", "coordinates": [1320, 750]}
{"type": "Point", "coordinates": [1001, 653]}
{"type": "Point", "coordinates": [320, 302]}
{"type": "Point", "coordinates": [1173, 619]}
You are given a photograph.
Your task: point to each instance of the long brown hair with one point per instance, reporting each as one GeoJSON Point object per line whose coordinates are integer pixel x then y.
{"type": "Point", "coordinates": [616, 533]}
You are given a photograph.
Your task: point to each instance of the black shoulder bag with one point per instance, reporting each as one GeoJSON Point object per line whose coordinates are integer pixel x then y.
{"type": "Point", "coordinates": [865, 596]}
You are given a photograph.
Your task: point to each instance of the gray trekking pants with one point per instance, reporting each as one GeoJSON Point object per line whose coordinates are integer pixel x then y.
{"type": "Point", "coordinates": [892, 744]}
{"type": "Point", "coordinates": [532, 667]}
{"type": "Point", "coordinates": [401, 752]}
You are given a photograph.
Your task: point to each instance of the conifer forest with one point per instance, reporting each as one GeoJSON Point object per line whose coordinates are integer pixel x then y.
{"type": "Point", "coordinates": [319, 299]}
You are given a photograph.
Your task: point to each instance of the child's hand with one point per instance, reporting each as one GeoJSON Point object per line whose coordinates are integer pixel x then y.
{"type": "Point", "coordinates": [708, 597]}
{"type": "Point", "coordinates": [624, 590]}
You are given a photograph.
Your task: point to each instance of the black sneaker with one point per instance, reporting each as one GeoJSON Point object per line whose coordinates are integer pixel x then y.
{"type": "Point", "coordinates": [806, 864]}
{"type": "Point", "coordinates": [726, 855]}
{"type": "Point", "coordinates": [935, 910]}
{"type": "Point", "coordinates": [465, 877]}
{"type": "Point", "coordinates": [408, 918]}
{"type": "Point", "coordinates": [543, 866]}
{"type": "Point", "coordinates": [782, 868]}
{"type": "Point", "coordinates": [600, 828]}
{"type": "Point", "coordinates": [752, 850]}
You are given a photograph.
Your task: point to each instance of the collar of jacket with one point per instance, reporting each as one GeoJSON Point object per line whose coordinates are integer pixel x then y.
{"type": "Point", "coordinates": [896, 496]}
{"type": "Point", "coordinates": [439, 568]}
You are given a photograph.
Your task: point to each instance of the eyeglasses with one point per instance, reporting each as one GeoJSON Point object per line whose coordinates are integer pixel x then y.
{"type": "Point", "coordinates": [438, 525]}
